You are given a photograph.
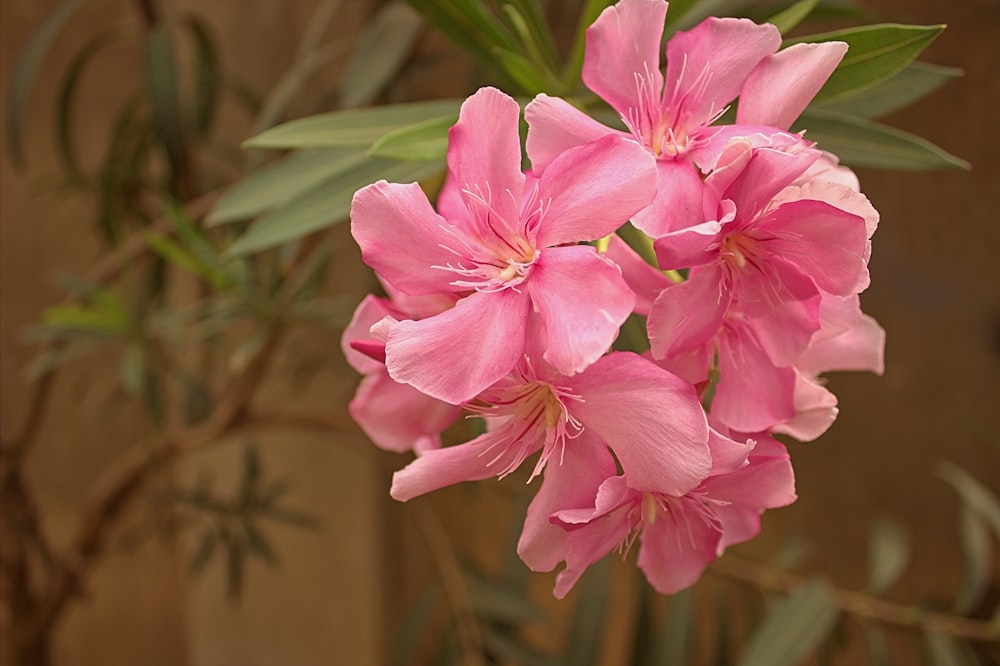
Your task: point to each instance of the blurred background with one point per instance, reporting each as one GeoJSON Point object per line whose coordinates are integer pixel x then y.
{"type": "Point", "coordinates": [341, 593]}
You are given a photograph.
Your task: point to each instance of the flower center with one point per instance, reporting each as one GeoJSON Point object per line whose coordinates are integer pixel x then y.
{"type": "Point", "coordinates": [738, 250]}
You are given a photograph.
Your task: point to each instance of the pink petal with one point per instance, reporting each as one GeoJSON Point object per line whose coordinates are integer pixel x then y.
{"type": "Point", "coordinates": [472, 461]}
{"type": "Point", "coordinates": [561, 281]}
{"type": "Point", "coordinates": [766, 173]}
{"type": "Point", "coordinates": [676, 549]}
{"type": "Point", "coordinates": [400, 236]}
{"type": "Point", "coordinates": [555, 125]}
{"type": "Point", "coordinates": [397, 417]}
{"type": "Point", "coordinates": [728, 455]}
{"type": "Point", "coordinates": [689, 314]}
{"type": "Point", "coordinates": [784, 83]}
{"type": "Point", "coordinates": [752, 394]}
{"type": "Point", "coordinates": [823, 242]}
{"type": "Point", "coordinates": [484, 150]}
{"type": "Point", "coordinates": [782, 309]}
{"type": "Point", "coordinates": [815, 411]}
{"type": "Point", "coordinates": [859, 348]}
{"type": "Point", "coordinates": [623, 45]}
{"type": "Point", "coordinates": [370, 310]}
{"type": "Point", "coordinates": [725, 50]}
{"type": "Point", "coordinates": [768, 482]}
{"type": "Point", "coordinates": [591, 190]}
{"type": "Point", "coordinates": [693, 246]}
{"type": "Point", "coordinates": [678, 201]}
{"type": "Point", "coordinates": [646, 281]}
{"type": "Point", "coordinates": [650, 418]}
{"type": "Point", "coordinates": [454, 355]}
{"type": "Point", "coordinates": [571, 484]}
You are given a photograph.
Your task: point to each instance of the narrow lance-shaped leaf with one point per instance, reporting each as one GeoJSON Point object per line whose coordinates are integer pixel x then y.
{"type": "Point", "coordinates": [161, 74]}
{"type": "Point", "coordinates": [354, 128]}
{"type": "Point", "coordinates": [914, 82]}
{"type": "Point", "coordinates": [381, 53]}
{"type": "Point", "coordinates": [941, 650]}
{"type": "Point", "coordinates": [207, 80]}
{"type": "Point", "coordinates": [795, 628]}
{"type": "Point", "coordinates": [866, 143]}
{"type": "Point", "coordinates": [588, 619]}
{"type": "Point", "coordinates": [889, 553]}
{"type": "Point", "coordinates": [976, 496]}
{"type": "Point", "coordinates": [978, 560]}
{"type": "Point", "coordinates": [674, 644]}
{"type": "Point", "coordinates": [324, 206]}
{"type": "Point", "coordinates": [26, 71]}
{"type": "Point", "coordinates": [420, 142]}
{"type": "Point", "coordinates": [790, 17]}
{"type": "Point", "coordinates": [874, 53]}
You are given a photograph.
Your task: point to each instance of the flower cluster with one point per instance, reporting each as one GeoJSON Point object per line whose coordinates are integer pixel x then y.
{"type": "Point", "coordinates": [505, 301]}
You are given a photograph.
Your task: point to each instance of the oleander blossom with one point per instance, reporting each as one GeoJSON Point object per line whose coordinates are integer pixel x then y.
{"type": "Point", "coordinates": [512, 259]}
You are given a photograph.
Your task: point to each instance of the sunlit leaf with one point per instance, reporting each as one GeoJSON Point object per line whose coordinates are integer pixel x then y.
{"type": "Point", "coordinates": [790, 17]}
{"type": "Point", "coordinates": [794, 628]}
{"type": "Point", "coordinates": [866, 143]}
{"type": "Point", "coordinates": [915, 81]}
{"type": "Point", "coordinates": [978, 560]}
{"type": "Point", "coordinates": [875, 52]}
{"type": "Point", "coordinates": [888, 555]}
{"type": "Point", "coordinates": [355, 128]}
{"type": "Point", "coordinates": [26, 72]}
{"type": "Point", "coordinates": [282, 181]}
{"type": "Point", "coordinates": [324, 206]}
{"type": "Point", "coordinates": [426, 141]}
{"type": "Point", "coordinates": [382, 51]}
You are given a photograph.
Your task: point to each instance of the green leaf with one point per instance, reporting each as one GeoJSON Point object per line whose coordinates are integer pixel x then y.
{"type": "Point", "coordinates": [324, 206]}
{"type": "Point", "coordinates": [511, 650]}
{"type": "Point", "coordinates": [281, 182]}
{"type": "Point", "coordinates": [866, 143]}
{"type": "Point", "coordinates": [382, 51]}
{"type": "Point", "coordinates": [26, 71]}
{"type": "Point", "coordinates": [875, 52]}
{"type": "Point", "coordinates": [795, 628]}
{"type": "Point", "coordinates": [207, 79]}
{"type": "Point", "coordinates": [355, 128]}
{"type": "Point", "coordinates": [101, 320]}
{"type": "Point", "coordinates": [974, 494]}
{"type": "Point", "coordinates": [67, 91]}
{"type": "Point", "coordinates": [977, 552]}
{"type": "Point", "coordinates": [161, 77]}
{"type": "Point", "coordinates": [588, 14]}
{"type": "Point", "coordinates": [941, 650]}
{"type": "Point", "coordinates": [790, 17]}
{"type": "Point", "coordinates": [258, 545]}
{"type": "Point", "coordinates": [674, 645]}
{"type": "Point", "coordinates": [888, 555]}
{"type": "Point", "coordinates": [497, 600]}
{"type": "Point", "coordinates": [202, 555]}
{"type": "Point", "coordinates": [537, 53]}
{"type": "Point", "coordinates": [522, 70]}
{"type": "Point", "coordinates": [424, 142]}
{"type": "Point", "coordinates": [414, 626]}
{"type": "Point", "coordinates": [878, 647]}
{"type": "Point", "coordinates": [587, 632]}
{"type": "Point", "coordinates": [915, 81]}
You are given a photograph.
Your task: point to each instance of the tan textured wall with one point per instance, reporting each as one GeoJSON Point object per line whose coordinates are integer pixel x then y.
{"type": "Point", "coordinates": [936, 290]}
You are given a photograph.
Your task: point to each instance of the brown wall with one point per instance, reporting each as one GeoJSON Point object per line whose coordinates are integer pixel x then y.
{"type": "Point", "coordinates": [936, 290]}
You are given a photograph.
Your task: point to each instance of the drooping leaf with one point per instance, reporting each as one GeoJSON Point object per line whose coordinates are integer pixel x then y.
{"type": "Point", "coordinates": [282, 181]}
{"type": "Point", "coordinates": [790, 17]}
{"type": "Point", "coordinates": [421, 142]}
{"type": "Point", "coordinates": [324, 206]}
{"type": "Point", "coordinates": [915, 81]}
{"type": "Point", "coordinates": [866, 143]}
{"type": "Point", "coordinates": [164, 95]}
{"type": "Point", "coordinates": [258, 545]}
{"type": "Point", "coordinates": [522, 70]}
{"type": "Point", "coordinates": [26, 68]}
{"type": "Point", "coordinates": [381, 53]}
{"type": "Point", "coordinates": [978, 560]}
{"type": "Point", "coordinates": [794, 628]}
{"type": "Point", "coordinates": [875, 53]}
{"type": "Point", "coordinates": [974, 494]}
{"type": "Point", "coordinates": [534, 46]}
{"type": "Point", "coordinates": [888, 555]}
{"type": "Point", "coordinates": [207, 79]}
{"type": "Point", "coordinates": [203, 553]}
{"type": "Point", "coordinates": [355, 128]}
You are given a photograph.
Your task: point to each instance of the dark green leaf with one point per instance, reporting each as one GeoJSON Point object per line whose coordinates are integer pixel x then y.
{"type": "Point", "coordinates": [207, 78]}
{"type": "Point", "coordinates": [522, 70]}
{"type": "Point", "coordinates": [587, 632]}
{"type": "Point", "coordinates": [915, 81]}
{"type": "Point", "coordinates": [875, 53]}
{"type": "Point", "coordinates": [421, 142]}
{"type": "Point", "coordinates": [67, 90]}
{"type": "Point", "coordinates": [888, 555]}
{"type": "Point", "coordinates": [695, 11]}
{"type": "Point", "coordinates": [415, 626]}
{"type": "Point", "coordinates": [382, 51]}
{"type": "Point", "coordinates": [235, 564]}
{"type": "Point", "coordinates": [790, 17]}
{"type": "Point", "coordinates": [866, 143]}
{"type": "Point", "coordinates": [497, 600]}
{"type": "Point", "coordinates": [355, 128]}
{"type": "Point", "coordinates": [794, 628]}
{"type": "Point", "coordinates": [161, 75]}
{"type": "Point", "coordinates": [324, 206]}
{"type": "Point", "coordinates": [26, 71]}
{"type": "Point", "coordinates": [202, 555]}
{"type": "Point", "coordinates": [977, 554]}
{"type": "Point", "coordinates": [537, 53]}
{"type": "Point", "coordinates": [258, 545]}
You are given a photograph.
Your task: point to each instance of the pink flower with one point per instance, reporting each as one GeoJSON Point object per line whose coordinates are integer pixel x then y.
{"type": "Point", "coordinates": [678, 534]}
{"type": "Point", "coordinates": [651, 419]}
{"type": "Point", "coordinates": [511, 259]}
{"type": "Point", "coordinates": [707, 67]}
{"type": "Point", "coordinates": [395, 416]}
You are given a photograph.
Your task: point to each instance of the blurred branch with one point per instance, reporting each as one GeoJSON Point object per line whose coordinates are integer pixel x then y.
{"type": "Point", "coordinates": [766, 577]}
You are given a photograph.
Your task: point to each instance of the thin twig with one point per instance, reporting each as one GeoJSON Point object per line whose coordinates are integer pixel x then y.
{"type": "Point", "coordinates": [764, 576]}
